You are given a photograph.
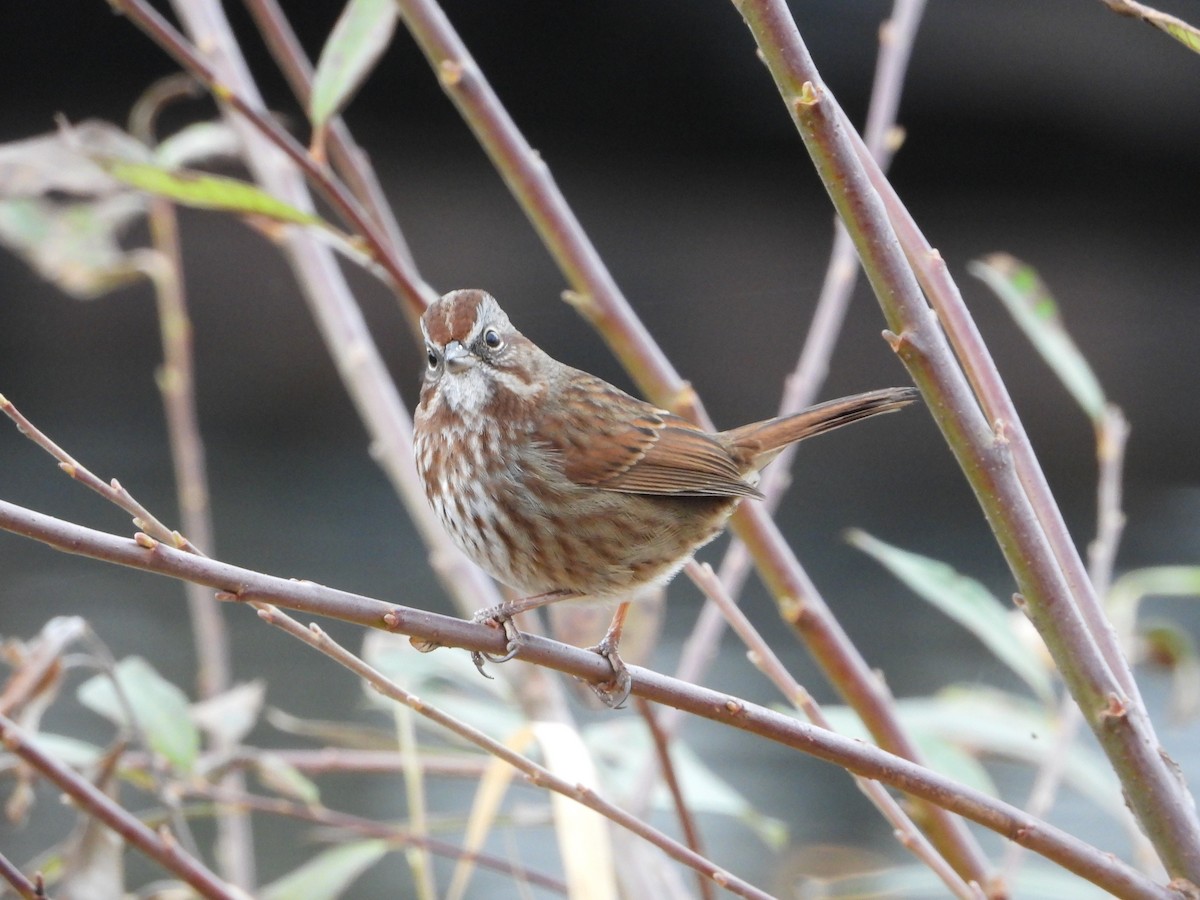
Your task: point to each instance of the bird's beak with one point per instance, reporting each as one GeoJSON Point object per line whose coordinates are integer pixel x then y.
{"type": "Point", "coordinates": [457, 357]}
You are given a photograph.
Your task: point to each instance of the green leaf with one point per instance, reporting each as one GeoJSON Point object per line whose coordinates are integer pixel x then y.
{"type": "Point", "coordinates": [196, 143]}
{"type": "Point", "coordinates": [1126, 595]}
{"type": "Point", "coordinates": [283, 778]}
{"type": "Point", "coordinates": [327, 875]}
{"type": "Point", "coordinates": [996, 723]}
{"type": "Point", "coordinates": [358, 40]}
{"type": "Point", "coordinates": [446, 679]}
{"type": "Point", "coordinates": [984, 722]}
{"type": "Point", "coordinates": [1186, 34]}
{"type": "Point", "coordinates": [1030, 304]}
{"type": "Point", "coordinates": [73, 245]}
{"type": "Point", "coordinates": [1033, 881]}
{"type": "Point", "coordinates": [941, 753]}
{"type": "Point", "coordinates": [203, 191]}
{"type": "Point", "coordinates": [160, 709]}
{"type": "Point", "coordinates": [967, 602]}
{"type": "Point", "coordinates": [1169, 645]}
{"type": "Point", "coordinates": [621, 748]}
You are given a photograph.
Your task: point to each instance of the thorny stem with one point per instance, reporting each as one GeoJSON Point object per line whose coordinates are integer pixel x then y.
{"type": "Point", "coordinates": [1060, 600]}
{"type": "Point", "coordinates": [245, 585]}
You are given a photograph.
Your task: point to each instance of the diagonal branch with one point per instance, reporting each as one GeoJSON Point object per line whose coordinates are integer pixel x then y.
{"type": "Point", "coordinates": [994, 453]}
{"type": "Point", "coordinates": [235, 583]}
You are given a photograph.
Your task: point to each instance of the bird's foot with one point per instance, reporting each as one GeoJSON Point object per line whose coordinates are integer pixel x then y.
{"type": "Point", "coordinates": [497, 617]}
{"type": "Point", "coordinates": [614, 692]}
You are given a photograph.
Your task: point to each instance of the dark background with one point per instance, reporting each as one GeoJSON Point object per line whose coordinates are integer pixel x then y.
{"type": "Point", "coordinates": [1057, 132]}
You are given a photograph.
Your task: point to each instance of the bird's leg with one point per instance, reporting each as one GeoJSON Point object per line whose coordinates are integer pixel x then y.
{"type": "Point", "coordinates": [615, 692]}
{"type": "Point", "coordinates": [501, 616]}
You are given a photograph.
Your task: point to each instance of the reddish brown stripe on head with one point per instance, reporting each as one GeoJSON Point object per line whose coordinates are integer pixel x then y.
{"type": "Point", "coordinates": [454, 316]}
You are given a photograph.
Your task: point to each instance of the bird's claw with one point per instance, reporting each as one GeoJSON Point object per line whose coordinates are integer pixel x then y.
{"type": "Point", "coordinates": [497, 617]}
{"type": "Point", "coordinates": [614, 692]}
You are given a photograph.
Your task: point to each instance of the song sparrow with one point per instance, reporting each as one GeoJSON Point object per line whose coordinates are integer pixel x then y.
{"type": "Point", "coordinates": [560, 485]}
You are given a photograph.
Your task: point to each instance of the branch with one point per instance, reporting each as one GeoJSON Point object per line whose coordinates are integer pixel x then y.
{"type": "Point", "coordinates": [596, 296]}
{"type": "Point", "coordinates": [236, 583]}
{"type": "Point", "coordinates": [994, 452]}
{"type": "Point", "coordinates": [537, 775]}
{"type": "Point", "coordinates": [160, 846]}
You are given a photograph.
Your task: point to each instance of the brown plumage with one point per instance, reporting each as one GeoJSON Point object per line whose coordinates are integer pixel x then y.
{"type": "Point", "coordinates": [560, 484]}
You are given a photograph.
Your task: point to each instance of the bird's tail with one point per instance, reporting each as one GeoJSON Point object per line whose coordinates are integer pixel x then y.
{"type": "Point", "coordinates": [756, 444]}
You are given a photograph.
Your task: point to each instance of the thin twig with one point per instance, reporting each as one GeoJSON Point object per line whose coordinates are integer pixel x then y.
{"type": "Point", "coordinates": [246, 585]}
{"type": "Point", "coordinates": [772, 666]}
{"type": "Point", "coordinates": [596, 296]}
{"type": "Point", "coordinates": [22, 885]}
{"type": "Point", "coordinates": [662, 749]}
{"type": "Point", "coordinates": [404, 277]}
{"type": "Point", "coordinates": [176, 382]}
{"type": "Point", "coordinates": [369, 828]}
{"type": "Point", "coordinates": [993, 452]}
{"type": "Point", "coordinates": [538, 775]}
{"type": "Point", "coordinates": [1112, 432]}
{"type": "Point", "coordinates": [160, 847]}
{"type": "Point", "coordinates": [896, 38]}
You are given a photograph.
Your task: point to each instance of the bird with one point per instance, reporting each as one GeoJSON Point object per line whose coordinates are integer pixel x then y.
{"type": "Point", "coordinates": [563, 486]}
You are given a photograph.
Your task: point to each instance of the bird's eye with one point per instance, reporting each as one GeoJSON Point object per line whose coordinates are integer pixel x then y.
{"type": "Point", "coordinates": [431, 357]}
{"type": "Point", "coordinates": [491, 337]}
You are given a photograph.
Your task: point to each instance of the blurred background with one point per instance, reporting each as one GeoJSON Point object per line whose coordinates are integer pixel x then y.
{"type": "Point", "coordinates": [1060, 133]}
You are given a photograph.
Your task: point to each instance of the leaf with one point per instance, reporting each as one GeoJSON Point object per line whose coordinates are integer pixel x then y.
{"type": "Point", "coordinates": [1126, 595]}
{"type": "Point", "coordinates": [621, 748]}
{"type": "Point", "coordinates": [203, 191]}
{"type": "Point", "coordinates": [328, 874]}
{"type": "Point", "coordinates": [1166, 644]}
{"type": "Point", "coordinates": [984, 722]}
{"type": "Point", "coordinates": [445, 679]}
{"type": "Point", "coordinates": [59, 161]}
{"type": "Point", "coordinates": [229, 716]}
{"type": "Point", "coordinates": [196, 143]}
{"type": "Point", "coordinates": [1033, 881]}
{"type": "Point", "coordinates": [964, 600]}
{"type": "Point", "coordinates": [358, 40]}
{"type": "Point", "coordinates": [485, 809]}
{"type": "Point", "coordinates": [1186, 34]}
{"type": "Point", "coordinates": [941, 753]}
{"type": "Point", "coordinates": [73, 245]}
{"type": "Point", "coordinates": [93, 855]}
{"type": "Point", "coordinates": [160, 709]}
{"type": "Point", "coordinates": [584, 843]}
{"type": "Point", "coordinates": [1030, 304]}
{"type": "Point", "coordinates": [283, 778]}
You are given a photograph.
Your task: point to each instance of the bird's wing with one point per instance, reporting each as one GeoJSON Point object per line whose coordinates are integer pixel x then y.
{"type": "Point", "coordinates": [614, 442]}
